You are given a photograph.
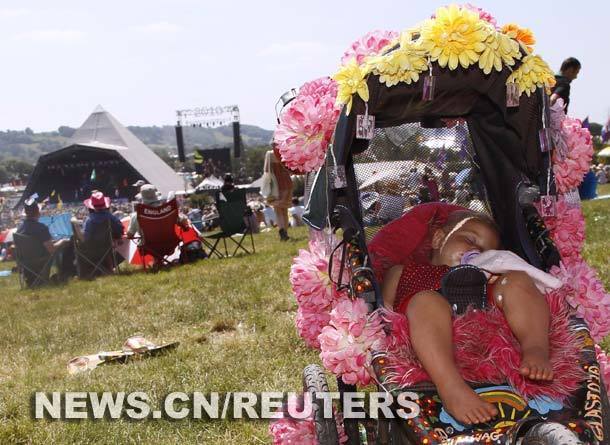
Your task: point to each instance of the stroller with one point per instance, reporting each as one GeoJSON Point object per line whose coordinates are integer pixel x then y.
{"type": "Point", "coordinates": [490, 157]}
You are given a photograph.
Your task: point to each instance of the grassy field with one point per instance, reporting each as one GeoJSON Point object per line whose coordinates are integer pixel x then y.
{"type": "Point", "coordinates": [233, 317]}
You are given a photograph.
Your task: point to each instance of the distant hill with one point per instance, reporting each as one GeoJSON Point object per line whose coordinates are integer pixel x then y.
{"type": "Point", "coordinates": [28, 146]}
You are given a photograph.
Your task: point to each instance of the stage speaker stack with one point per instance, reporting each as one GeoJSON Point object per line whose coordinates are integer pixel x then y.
{"type": "Point", "coordinates": [180, 143]}
{"type": "Point", "coordinates": [236, 140]}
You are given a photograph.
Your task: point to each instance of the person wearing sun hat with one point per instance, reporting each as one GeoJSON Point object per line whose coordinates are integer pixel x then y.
{"type": "Point", "coordinates": [150, 196]}
{"type": "Point", "coordinates": [99, 216]}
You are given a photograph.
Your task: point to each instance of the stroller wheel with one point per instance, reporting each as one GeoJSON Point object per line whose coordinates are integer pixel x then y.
{"type": "Point", "coordinates": [314, 381]}
{"type": "Point", "coordinates": [550, 433]}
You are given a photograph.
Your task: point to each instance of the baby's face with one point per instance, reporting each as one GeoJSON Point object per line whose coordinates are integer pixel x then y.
{"type": "Point", "coordinates": [472, 235]}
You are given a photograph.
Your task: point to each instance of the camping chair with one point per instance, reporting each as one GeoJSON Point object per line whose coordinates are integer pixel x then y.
{"type": "Point", "coordinates": [33, 261]}
{"type": "Point", "coordinates": [157, 230]}
{"type": "Point", "coordinates": [231, 206]}
{"type": "Point", "coordinates": [95, 256]}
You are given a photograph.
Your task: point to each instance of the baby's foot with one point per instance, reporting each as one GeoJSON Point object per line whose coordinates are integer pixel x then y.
{"type": "Point", "coordinates": [535, 364]}
{"type": "Point", "coordinates": [465, 405]}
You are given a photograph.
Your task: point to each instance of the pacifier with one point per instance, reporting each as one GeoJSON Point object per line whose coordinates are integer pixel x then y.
{"type": "Point", "coordinates": [469, 256]}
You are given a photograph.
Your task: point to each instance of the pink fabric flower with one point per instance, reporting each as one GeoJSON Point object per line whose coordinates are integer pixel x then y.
{"type": "Point", "coordinates": [314, 291]}
{"type": "Point", "coordinates": [309, 278]}
{"type": "Point", "coordinates": [288, 431]}
{"type": "Point", "coordinates": [587, 297]}
{"type": "Point", "coordinates": [307, 126]}
{"type": "Point", "coordinates": [310, 324]}
{"type": "Point", "coordinates": [347, 341]}
{"type": "Point", "coordinates": [571, 164]}
{"type": "Point", "coordinates": [483, 15]}
{"type": "Point", "coordinates": [604, 364]}
{"type": "Point", "coordinates": [369, 44]}
{"type": "Point", "coordinates": [567, 229]}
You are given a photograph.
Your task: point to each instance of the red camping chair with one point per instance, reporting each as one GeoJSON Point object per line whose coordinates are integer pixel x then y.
{"type": "Point", "coordinates": [157, 229]}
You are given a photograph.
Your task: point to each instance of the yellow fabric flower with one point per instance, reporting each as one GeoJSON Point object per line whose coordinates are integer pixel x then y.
{"type": "Point", "coordinates": [351, 79]}
{"type": "Point", "coordinates": [401, 65]}
{"type": "Point", "coordinates": [522, 35]}
{"type": "Point", "coordinates": [533, 73]}
{"type": "Point", "coordinates": [500, 49]}
{"type": "Point", "coordinates": [455, 36]}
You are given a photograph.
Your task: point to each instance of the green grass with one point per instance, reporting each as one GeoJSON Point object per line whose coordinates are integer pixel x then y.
{"type": "Point", "coordinates": [233, 317]}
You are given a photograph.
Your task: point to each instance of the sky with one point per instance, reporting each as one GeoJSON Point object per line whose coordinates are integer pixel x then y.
{"type": "Point", "coordinates": [144, 59]}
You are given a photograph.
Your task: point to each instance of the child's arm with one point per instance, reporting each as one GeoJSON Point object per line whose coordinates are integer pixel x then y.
{"type": "Point", "coordinates": [389, 286]}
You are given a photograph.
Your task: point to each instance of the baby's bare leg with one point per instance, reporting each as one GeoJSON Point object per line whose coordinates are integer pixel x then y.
{"type": "Point", "coordinates": [527, 313]}
{"type": "Point", "coordinates": [430, 327]}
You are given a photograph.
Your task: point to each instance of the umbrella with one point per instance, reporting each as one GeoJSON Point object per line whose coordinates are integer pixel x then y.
{"type": "Point", "coordinates": [605, 152]}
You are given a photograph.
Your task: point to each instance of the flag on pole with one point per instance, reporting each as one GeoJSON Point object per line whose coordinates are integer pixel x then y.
{"type": "Point", "coordinates": [585, 123]}
{"type": "Point", "coordinates": [60, 203]}
{"type": "Point", "coordinates": [53, 193]}
{"type": "Point", "coordinates": [93, 176]}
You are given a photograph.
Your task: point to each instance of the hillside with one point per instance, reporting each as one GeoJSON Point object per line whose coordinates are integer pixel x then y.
{"type": "Point", "coordinates": [27, 145]}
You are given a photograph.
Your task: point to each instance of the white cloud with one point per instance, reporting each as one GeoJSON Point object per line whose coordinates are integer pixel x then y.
{"type": "Point", "coordinates": [157, 28]}
{"type": "Point", "coordinates": [9, 13]}
{"type": "Point", "coordinates": [51, 35]}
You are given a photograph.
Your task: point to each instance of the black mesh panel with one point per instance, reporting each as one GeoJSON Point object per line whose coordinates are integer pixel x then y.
{"type": "Point", "coordinates": [409, 164]}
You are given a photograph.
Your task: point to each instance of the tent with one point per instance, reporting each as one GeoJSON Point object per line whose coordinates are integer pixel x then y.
{"type": "Point", "coordinates": [210, 183]}
{"type": "Point", "coordinates": [102, 154]}
{"type": "Point", "coordinates": [604, 152]}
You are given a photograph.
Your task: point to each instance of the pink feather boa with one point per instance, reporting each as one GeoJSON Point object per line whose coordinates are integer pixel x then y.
{"type": "Point", "coordinates": [487, 352]}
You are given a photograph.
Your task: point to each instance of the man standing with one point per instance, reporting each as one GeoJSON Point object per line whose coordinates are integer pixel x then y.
{"type": "Point", "coordinates": [568, 72]}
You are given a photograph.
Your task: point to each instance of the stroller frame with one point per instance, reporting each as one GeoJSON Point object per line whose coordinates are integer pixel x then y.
{"type": "Point", "coordinates": [514, 172]}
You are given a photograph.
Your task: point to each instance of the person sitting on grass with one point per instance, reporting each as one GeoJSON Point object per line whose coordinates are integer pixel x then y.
{"type": "Point", "coordinates": [412, 289]}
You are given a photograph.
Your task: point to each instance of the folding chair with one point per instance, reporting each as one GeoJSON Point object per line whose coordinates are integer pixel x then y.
{"type": "Point", "coordinates": [95, 256]}
{"type": "Point", "coordinates": [157, 230]}
{"type": "Point", "coordinates": [33, 261]}
{"type": "Point", "coordinates": [231, 206]}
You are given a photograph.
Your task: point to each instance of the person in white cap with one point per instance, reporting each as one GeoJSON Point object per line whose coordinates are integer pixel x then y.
{"type": "Point", "coordinates": [150, 196]}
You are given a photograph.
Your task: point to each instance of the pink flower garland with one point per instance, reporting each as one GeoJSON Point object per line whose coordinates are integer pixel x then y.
{"type": "Point", "coordinates": [604, 364]}
{"type": "Point", "coordinates": [314, 291]}
{"type": "Point", "coordinates": [369, 44]}
{"type": "Point", "coordinates": [307, 126]}
{"type": "Point", "coordinates": [588, 296]}
{"type": "Point", "coordinates": [347, 341]}
{"type": "Point", "coordinates": [288, 431]}
{"type": "Point", "coordinates": [567, 229]}
{"type": "Point", "coordinates": [573, 155]}
{"type": "Point", "coordinates": [310, 323]}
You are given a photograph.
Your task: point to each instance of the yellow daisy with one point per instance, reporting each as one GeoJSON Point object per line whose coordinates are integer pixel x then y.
{"type": "Point", "coordinates": [351, 79]}
{"type": "Point", "coordinates": [500, 50]}
{"type": "Point", "coordinates": [401, 65]}
{"type": "Point", "coordinates": [533, 73]}
{"type": "Point", "coordinates": [455, 37]}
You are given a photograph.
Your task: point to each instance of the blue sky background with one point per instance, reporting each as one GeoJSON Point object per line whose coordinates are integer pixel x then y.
{"type": "Point", "coordinates": [143, 59]}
